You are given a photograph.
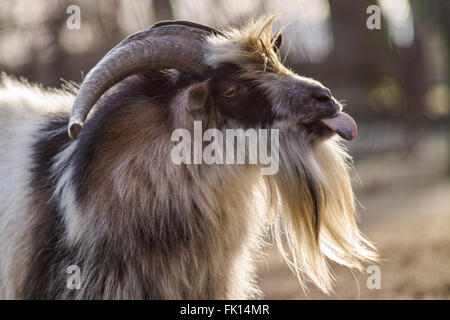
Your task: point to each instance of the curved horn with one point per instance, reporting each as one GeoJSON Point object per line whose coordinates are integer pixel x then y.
{"type": "Point", "coordinates": [166, 45]}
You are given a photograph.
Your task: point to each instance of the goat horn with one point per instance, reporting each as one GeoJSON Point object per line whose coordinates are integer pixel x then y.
{"type": "Point", "coordinates": [166, 45]}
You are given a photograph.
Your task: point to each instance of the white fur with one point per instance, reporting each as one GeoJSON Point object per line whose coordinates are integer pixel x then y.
{"type": "Point", "coordinates": [22, 110]}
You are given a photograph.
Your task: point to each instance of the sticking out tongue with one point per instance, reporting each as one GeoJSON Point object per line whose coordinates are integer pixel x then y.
{"type": "Point", "coordinates": [342, 124]}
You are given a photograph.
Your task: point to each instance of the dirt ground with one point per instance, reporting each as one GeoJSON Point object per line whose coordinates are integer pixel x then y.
{"type": "Point", "coordinates": [409, 221]}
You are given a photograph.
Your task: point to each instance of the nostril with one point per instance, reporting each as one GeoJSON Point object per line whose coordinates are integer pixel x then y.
{"type": "Point", "coordinates": [321, 95]}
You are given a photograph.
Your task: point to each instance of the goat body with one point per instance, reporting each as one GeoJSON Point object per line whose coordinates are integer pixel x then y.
{"type": "Point", "coordinates": [111, 201]}
{"type": "Point", "coordinates": [134, 244]}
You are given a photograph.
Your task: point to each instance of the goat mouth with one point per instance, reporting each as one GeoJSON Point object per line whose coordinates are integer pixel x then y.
{"type": "Point", "coordinates": [340, 123]}
{"type": "Point", "coordinates": [319, 129]}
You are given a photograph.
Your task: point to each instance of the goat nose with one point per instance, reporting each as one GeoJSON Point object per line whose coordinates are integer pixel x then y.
{"type": "Point", "coordinates": [321, 94]}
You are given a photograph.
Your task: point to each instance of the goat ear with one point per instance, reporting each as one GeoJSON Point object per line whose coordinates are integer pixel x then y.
{"type": "Point", "coordinates": [197, 96]}
{"type": "Point", "coordinates": [277, 42]}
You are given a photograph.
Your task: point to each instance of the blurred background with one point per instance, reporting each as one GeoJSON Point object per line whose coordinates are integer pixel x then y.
{"type": "Point", "coordinates": [393, 80]}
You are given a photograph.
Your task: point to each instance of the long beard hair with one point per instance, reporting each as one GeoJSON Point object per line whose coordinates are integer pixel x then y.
{"type": "Point", "coordinates": [313, 206]}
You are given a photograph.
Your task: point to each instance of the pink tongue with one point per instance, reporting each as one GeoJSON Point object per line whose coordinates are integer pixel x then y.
{"type": "Point", "coordinates": [342, 124]}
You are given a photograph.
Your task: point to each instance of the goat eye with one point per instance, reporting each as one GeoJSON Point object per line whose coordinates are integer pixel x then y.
{"type": "Point", "coordinates": [230, 92]}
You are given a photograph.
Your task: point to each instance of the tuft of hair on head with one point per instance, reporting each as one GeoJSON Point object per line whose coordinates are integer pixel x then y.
{"type": "Point", "coordinates": [252, 48]}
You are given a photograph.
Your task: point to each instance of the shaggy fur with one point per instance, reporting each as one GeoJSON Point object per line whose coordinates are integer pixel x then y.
{"type": "Point", "coordinates": [138, 226]}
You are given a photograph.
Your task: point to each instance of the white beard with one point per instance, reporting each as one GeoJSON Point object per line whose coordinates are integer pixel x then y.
{"type": "Point", "coordinates": [313, 195]}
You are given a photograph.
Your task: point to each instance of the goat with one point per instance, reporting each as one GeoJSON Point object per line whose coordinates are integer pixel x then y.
{"type": "Point", "coordinates": [102, 193]}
